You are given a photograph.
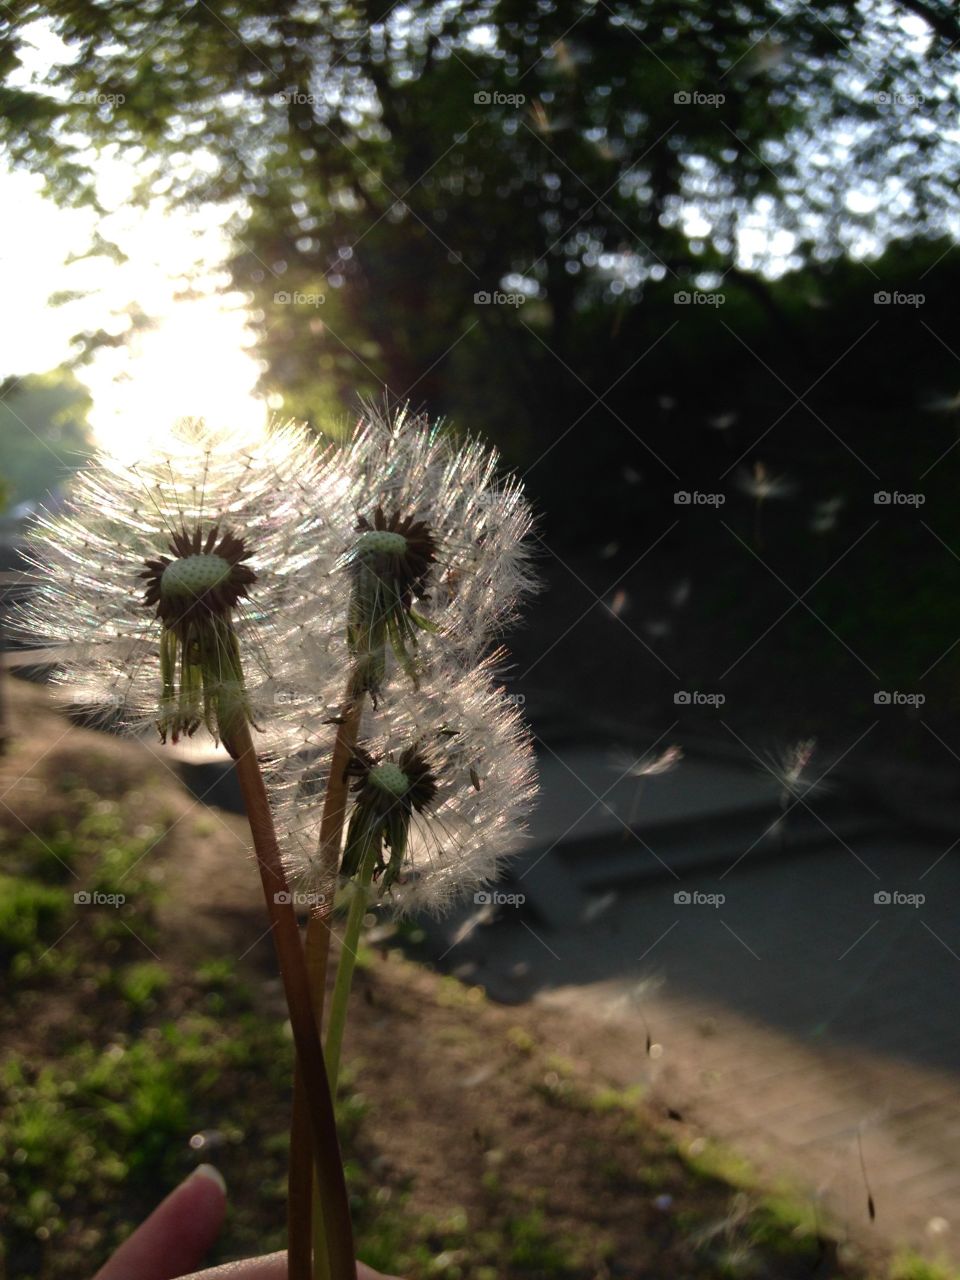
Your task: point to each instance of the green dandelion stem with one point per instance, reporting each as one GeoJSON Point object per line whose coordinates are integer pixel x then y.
{"type": "Point", "coordinates": [348, 958]}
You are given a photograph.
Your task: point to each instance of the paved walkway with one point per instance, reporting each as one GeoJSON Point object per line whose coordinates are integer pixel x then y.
{"type": "Point", "coordinates": [800, 985]}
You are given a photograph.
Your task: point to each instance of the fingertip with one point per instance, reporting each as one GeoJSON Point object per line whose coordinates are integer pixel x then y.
{"type": "Point", "coordinates": [212, 1174]}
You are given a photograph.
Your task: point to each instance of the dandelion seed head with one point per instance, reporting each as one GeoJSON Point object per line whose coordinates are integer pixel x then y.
{"type": "Point", "coordinates": [462, 726]}
{"type": "Point", "coordinates": [389, 777]}
{"type": "Point", "coordinates": [381, 542]}
{"type": "Point", "coordinates": [266, 497]}
{"type": "Point", "coordinates": [193, 576]}
{"type": "Point", "coordinates": [401, 461]}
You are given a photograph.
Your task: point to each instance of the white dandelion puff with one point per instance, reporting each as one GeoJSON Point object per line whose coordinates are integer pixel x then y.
{"type": "Point", "coordinates": [165, 584]}
{"type": "Point", "coordinates": [478, 567]}
{"type": "Point", "coordinates": [443, 779]}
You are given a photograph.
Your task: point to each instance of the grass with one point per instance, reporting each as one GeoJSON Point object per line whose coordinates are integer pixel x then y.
{"type": "Point", "coordinates": [475, 1149]}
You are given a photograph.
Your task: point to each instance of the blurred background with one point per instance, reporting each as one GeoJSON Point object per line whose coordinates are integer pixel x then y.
{"type": "Point", "coordinates": [694, 270]}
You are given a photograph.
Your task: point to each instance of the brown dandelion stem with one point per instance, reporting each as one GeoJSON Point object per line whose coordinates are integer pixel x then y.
{"type": "Point", "coordinates": [317, 956]}
{"type": "Point", "coordinates": [319, 1120]}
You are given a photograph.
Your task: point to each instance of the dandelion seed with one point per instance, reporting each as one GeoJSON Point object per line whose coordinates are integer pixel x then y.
{"type": "Point", "coordinates": [943, 404]}
{"type": "Point", "coordinates": [723, 421]}
{"type": "Point", "coordinates": [763, 486]}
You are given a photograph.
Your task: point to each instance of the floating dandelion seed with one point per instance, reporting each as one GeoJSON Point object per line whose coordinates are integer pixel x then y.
{"type": "Point", "coordinates": [760, 485]}
{"type": "Point", "coordinates": [825, 514]}
{"type": "Point", "coordinates": [943, 404]}
{"type": "Point", "coordinates": [788, 770]}
{"type": "Point", "coordinates": [723, 421]}
{"type": "Point", "coordinates": [619, 603]}
{"type": "Point", "coordinates": [763, 486]}
{"type": "Point", "coordinates": [647, 766]}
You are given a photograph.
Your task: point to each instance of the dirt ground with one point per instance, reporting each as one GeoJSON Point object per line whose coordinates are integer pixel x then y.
{"type": "Point", "coordinates": [477, 1118]}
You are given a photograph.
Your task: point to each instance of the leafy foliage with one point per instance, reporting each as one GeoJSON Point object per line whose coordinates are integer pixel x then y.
{"type": "Point", "coordinates": [43, 433]}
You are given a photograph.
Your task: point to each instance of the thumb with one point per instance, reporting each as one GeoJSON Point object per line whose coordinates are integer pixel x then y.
{"type": "Point", "coordinates": [177, 1235]}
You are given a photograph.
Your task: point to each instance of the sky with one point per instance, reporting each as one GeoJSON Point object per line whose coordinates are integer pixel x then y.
{"type": "Point", "coordinates": [196, 361]}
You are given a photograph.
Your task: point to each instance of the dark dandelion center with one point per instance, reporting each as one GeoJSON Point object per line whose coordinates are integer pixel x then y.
{"type": "Point", "coordinates": [407, 783]}
{"type": "Point", "coordinates": [204, 578]}
{"type": "Point", "coordinates": [404, 558]}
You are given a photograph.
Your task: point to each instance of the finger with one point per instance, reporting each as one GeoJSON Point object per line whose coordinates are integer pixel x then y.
{"type": "Point", "coordinates": [176, 1236]}
{"type": "Point", "coordinates": [273, 1267]}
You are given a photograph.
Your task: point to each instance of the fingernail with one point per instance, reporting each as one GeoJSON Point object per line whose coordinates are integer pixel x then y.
{"type": "Point", "coordinates": [208, 1171]}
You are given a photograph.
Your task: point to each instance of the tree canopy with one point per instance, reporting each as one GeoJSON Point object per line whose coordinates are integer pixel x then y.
{"type": "Point", "coordinates": [480, 204]}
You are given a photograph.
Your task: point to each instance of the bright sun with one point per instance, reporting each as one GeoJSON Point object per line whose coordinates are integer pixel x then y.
{"type": "Point", "coordinates": [194, 360]}
{"type": "Point", "coordinates": [194, 364]}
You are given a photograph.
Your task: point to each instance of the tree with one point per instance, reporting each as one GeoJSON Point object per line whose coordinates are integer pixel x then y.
{"type": "Point", "coordinates": [391, 163]}
{"type": "Point", "coordinates": [43, 433]}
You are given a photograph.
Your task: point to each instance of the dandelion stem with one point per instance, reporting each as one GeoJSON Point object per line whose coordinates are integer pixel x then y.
{"type": "Point", "coordinates": [293, 970]}
{"type": "Point", "coordinates": [317, 953]}
{"type": "Point", "coordinates": [348, 962]}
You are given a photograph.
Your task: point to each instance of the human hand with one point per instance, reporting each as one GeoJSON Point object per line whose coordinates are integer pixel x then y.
{"type": "Point", "coordinates": [173, 1241]}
